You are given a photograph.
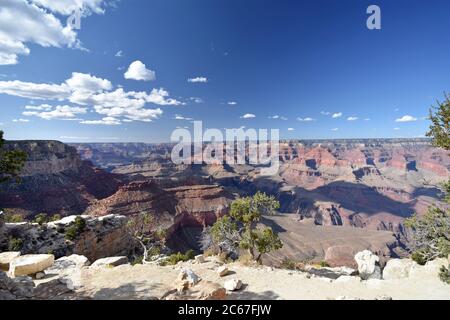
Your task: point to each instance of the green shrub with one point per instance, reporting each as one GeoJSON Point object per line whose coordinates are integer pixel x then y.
{"type": "Point", "coordinates": [40, 219]}
{"type": "Point", "coordinates": [324, 264]}
{"type": "Point", "coordinates": [15, 244]}
{"type": "Point", "coordinates": [173, 259]}
{"type": "Point", "coordinates": [288, 264]}
{"type": "Point", "coordinates": [13, 218]}
{"type": "Point", "coordinates": [137, 260]}
{"type": "Point", "coordinates": [74, 230]}
{"type": "Point", "coordinates": [418, 257]}
{"type": "Point", "coordinates": [55, 217]}
{"type": "Point", "coordinates": [444, 274]}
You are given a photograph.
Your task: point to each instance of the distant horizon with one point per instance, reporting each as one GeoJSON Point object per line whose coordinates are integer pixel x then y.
{"type": "Point", "coordinates": [167, 142]}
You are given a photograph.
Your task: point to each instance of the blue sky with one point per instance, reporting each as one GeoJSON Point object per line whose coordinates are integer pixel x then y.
{"type": "Point", "coordinates": [292, 65]}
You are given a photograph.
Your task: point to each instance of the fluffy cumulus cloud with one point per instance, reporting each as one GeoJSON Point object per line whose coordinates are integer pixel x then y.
{"type": "Point", "coordinates": [336, 115]}
{"type": "Point", "coordinates": [87, 91]}
{"type": "Point", "coordinates": [352, 118]}
{"type": "Point", "coordinates": [59, 112]}
{"type": "Point", "coordinates": [291, 129]}
{"type": "Point", "coordinates": [248, 116]}
{"type": "Point", "coordinates": [198, 80]}
{"type": "Point", "coordinates": [232, 103]}
{"type": "Point", "coordinates": [23, 22]}
{"type": "Point", "coordinates": [138, 71]}
{"type": "Point", "coordinates": [406, 118]}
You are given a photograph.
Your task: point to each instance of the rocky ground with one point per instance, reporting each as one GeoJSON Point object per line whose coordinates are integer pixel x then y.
{"type": "Point", "coordinates": [209, 278]}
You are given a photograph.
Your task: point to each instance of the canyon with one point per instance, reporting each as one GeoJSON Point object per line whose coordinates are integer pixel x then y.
{"type": "Point", "coordinates": [337, 197]}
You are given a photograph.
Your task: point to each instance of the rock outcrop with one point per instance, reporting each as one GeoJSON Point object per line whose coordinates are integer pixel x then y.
{"type": "Point", "coordinates": [102, 237]}
{"type": "Point", "coordinates": [54, 180]}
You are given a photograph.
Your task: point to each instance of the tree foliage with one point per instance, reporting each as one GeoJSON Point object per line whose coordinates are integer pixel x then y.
{"type": "Point", "coordinates": [240, 229]}
{"type": "Point", "coordinates": [11, 162]}
{"type": "Point", "coordinates": [431, 233]}
{"type": "Point", "coordinates": [440, 129]}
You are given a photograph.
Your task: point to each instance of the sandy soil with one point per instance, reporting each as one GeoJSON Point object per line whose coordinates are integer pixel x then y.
{"type": "Point", "coordinates": [261, 283]}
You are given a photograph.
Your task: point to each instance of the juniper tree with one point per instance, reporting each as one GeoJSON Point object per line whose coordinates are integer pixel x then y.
{"type": "Point", "coordinates": [431, 233]}
{"type": "Point", "coordinates": [240, 229]}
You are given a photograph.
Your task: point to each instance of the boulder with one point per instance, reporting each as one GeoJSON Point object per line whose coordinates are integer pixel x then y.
{"type": "Point", "coordinates": [368, 265]}
{"type": "Point", "coordinates": [189, 275]}
{"type": "Point", "coordinates": [398, 269]}
{"type": "Point", "coordinates": [199, 259]}
{"type": "Point", "coordinates": [6, 258]}
{"type": "Point", "coordinates": [222, 271]}
{"type": "Point", "coordinates": [110, 262]}
{"type": "Point", "coordinates": [340, 255]}
{"type": "Point", "coordinates": [205, 290]}
{"type": "Point", "coordinates": [66, 265]}
{"type": "Point", "coordinates": [30, 264]}
{"type": "Point", "coordinates": [233, 284]}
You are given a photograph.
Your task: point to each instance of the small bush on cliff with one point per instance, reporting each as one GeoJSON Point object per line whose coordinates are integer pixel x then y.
{"type": "Point", "coordinates": [240, 229]}
{"type": "Point", "coordinates": [173, 259]}
{"type": "Point", "coordinates": [141, 230]}
{"type": "Point", "coordinates": [75, 229]}
{"type": "Point", "coordinates": [13, 218]}
{"type": "Point", "coordinates": [15, 244]}
{"type": "Point", "coordinates": [55, 217]}
{"type": "Point", "coordinates": [444, 274]}
{"type": "Point", "coordinates": [11, 162]}
{"type": "Point", "coordinates": [40, 219]}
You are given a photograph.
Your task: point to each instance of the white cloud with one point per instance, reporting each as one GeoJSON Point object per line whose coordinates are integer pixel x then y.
{"type": "Point", "coordinates": [60, 112]}
{"type": "Point", "coordinates": [291, 129]}
{"type": "Point", "coordinates": [109, 121]}
{"type": "Point", "coordinates": [90, 91]}
{"type": "Point", "coordinates": [38, 91]}
{"type": "Point", "coordinates": [33, 21]}
{"type": "Point", "coordinates": [198, 80]}
{"type": "Point", "coordinates": [352, 118]}
{"type": "Point", "coordinates": [307, 119]}
{"type": "Point", "coordinates": [277, 117]}
{"type": "Point", "coordinates": [119, 54]}
{"type": "Point", "coordinates": [232, 103]}
{"type": "Point", "coordinates": [336, 115]}
{"type": "Point", "coordinates": [248, 116]}
{"type": "Point", "coordinates": [367, 119]}
{"type": "Point", "coordinates": [180, 117]}
{"type": "Point", "coordinates": [396, 128]}
{"type": "Point", "coordinates": [138, 71]}
{"type": "Point", "coordinates": [335, 129]}
{"type": "Point", "coordinates": [42, 107]}
{"type": "Point", "coordinates": [406, 118]}
{"type": "Point", "coordinates": [21, 120]}
{"type": "Point", "coordinates": [325, 113]}
{"type": "Point", "coordinates": [87, 83]}
{"type": "Point", "coordinates": [67, 7]}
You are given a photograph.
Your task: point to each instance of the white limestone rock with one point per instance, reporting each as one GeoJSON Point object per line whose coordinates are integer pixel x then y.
{"type": "Point", "coordinates": [398, 269]}
{"type": "Point", "coordinates": [110, 262]}
{"type": "Point", "coordinates": [30, 264]}
{"type": "Point", "coordinates": [368, 266]}
{"type": "Point", "coordinates": [6, 258]}
{"type": "Point", "coordinates": [233, 284]}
